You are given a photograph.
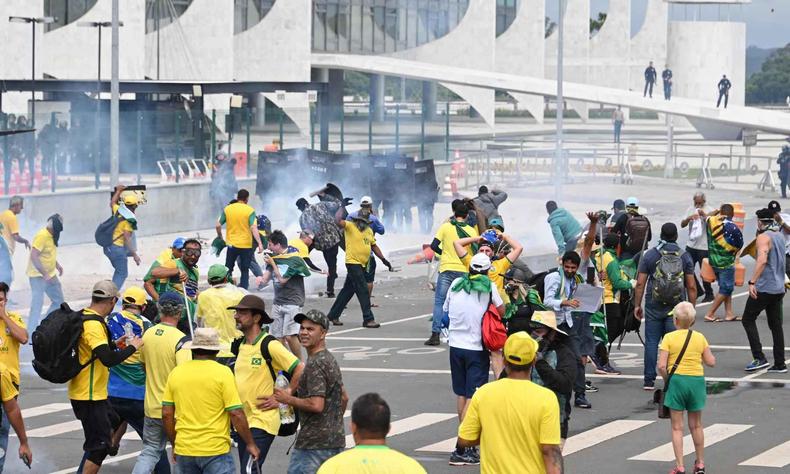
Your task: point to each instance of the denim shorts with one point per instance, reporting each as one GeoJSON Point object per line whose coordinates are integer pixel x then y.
{"type": "Point", "coordinates": [309, 460]}
{"type": "Point", "coordinates": [468, 370]}
{"type": "Point", "coordinates": [726, 279]}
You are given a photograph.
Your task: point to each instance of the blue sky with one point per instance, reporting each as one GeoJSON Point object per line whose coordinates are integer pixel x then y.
{"type": "Point", "coordinates": [764, 28]}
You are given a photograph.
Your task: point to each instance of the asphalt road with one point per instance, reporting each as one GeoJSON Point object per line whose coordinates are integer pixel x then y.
{"type": "Point", "coordinates": [744, 420]}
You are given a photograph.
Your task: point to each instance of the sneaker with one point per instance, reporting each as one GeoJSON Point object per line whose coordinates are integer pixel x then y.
{"type": "Point", "coordinates": [336, 322]}
{"type": "Point", "coordinates": [372, 324]}
{"type": "Point", "coordinates": [330, 294]}
{"type": "Point", "coordinates": [474, 451]}
{"type": "Point", "coordinates": [649, 386]}
{"type": "Point", "coordinates": [609, 370]}
{"type": "Point", "coordinates": [757, 364]}
{"type": "Point", "coordinates": [596, 362]}
{"type": "Point", "coordinates": [589, 387]}
{"type": "Point", "coordinates": [581, 402]}
{"type": "Point", "coordinates": [677, 470]}
{"type": "Point", "coordinates": [463, 459]}
{"type": "Point", "coordinates": [777, 369]}
{"type": "Point", "coordinates": [699, 468]}
{"type": "Point", "coordinates": [433, 340]}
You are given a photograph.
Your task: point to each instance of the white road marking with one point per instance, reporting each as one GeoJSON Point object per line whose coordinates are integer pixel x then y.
{"type": "Point", "coordinates": [54, 430]}
{"type": "Point", "coordinates": [384, 339]}
{"type": "Point", "coordinates": [778, 456]}
{"type": "Point", "coordinates": [602, 433]}
{"type": "Point", "coordinates": [737, 295]}
{"type": "Point", "coordinates": [112, 460]}
{"type": "Point", "coordinates": [45, 409]}
{"type": "Point", "coordinates": [387, 323]}
{"type": "Point", "coordinates": [713, 434]}
{"type": "Point", "coordinates": [410, 424]}
{"type": "Point", "coordinates": [712, 346]}
{"type": "Point", "coordinates": [446, 446]}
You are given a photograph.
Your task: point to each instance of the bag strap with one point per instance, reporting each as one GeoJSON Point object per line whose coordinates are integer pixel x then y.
{"type": "Point", "coordinates": [99, 319]}
{"type": "Point", "coordinates": [679, 358]}
{"type": "Point", "coordinates": [267, 356]}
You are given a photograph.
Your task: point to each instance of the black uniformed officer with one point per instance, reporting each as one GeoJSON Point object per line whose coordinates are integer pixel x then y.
{"type": "Point", "coordinates": [724, 91]}
{"type": "Point", "coordinates": [650, 79]}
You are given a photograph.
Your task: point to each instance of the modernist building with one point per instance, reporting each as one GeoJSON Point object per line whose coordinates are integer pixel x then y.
{"type": "Point", "coordinates": [275, 40]}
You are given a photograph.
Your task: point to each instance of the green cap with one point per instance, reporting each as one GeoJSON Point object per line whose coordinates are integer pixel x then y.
{"type": "Point", "coordinates": [217, 272]}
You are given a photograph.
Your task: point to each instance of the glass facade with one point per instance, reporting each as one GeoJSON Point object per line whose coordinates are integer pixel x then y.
{"type": "Point", "coordinates": [506, 11]}
{"type": "Point", "coordinates": [160, 13]}
{"type": "Point", "coordinates": [65, 11]}
{"type": "Point", "coordinates": [247, 13]}
{"type": "Point", "coordinates": [382, 26]}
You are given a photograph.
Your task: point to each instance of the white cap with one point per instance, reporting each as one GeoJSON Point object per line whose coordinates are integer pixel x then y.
{"type": "Point", "coordinates": [366, 201]}
{"type": "Point", "coordinates": [480, 263]}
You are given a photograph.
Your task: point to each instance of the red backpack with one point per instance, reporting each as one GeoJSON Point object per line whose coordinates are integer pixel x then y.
{"type": "Point", "coordinates": [494, 332]}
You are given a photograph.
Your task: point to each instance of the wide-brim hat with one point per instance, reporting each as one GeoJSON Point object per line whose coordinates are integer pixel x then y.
{"type": "Point", "coordinates": [254, 303]}
{"type": "Point", "coordinates": [547, 319]}
{"type": "Point", "coordinates": [206, 339]}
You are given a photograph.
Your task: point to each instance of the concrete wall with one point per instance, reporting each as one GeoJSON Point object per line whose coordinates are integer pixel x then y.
{"type": "Point", "coordinates": [171, 208]}
{"type": "Point", "coordinates": [719, 48]}
{"type": "Point", "coordinates": [610, 48]}
{"type": "Point", "coordinates": [576, 50]}
{"type": "Point", "coordinates": [650, 44]}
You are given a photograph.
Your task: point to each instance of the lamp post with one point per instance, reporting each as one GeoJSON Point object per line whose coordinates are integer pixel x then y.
{"type": "Point", "coordinates": [96, 157]}
{"type": "Point", "coordinates": [32, 21]}
{"type": "Point", "coordinates": [559, 165]}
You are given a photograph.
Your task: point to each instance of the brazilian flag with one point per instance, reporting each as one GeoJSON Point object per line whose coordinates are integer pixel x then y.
{"type": "Point", "coordinates": [291, 264]}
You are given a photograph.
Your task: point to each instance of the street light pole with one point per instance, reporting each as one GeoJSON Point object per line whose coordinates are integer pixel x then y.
{"type": "Point", "coordinates": [559, 166]}
{"type": "Point", "coordinates": [114, 97]}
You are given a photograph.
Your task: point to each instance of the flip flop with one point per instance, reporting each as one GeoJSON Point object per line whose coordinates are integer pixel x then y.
{"type": "Point", "coordinates": [715, 319]}
{"type": "Point", "coordinates": [733, 320]}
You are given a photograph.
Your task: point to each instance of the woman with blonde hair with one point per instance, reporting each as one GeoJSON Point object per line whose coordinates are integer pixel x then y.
{"type": "Point", "coordinates": [682, 355]}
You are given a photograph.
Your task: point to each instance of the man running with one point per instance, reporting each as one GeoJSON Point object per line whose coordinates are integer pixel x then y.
{"type": "Point", "coordinates": [241, 229]}
{"type": "Point", "coordinates": [43, 270]}
{"type": "Point", "coordinates": [123, 243]}
{"type": "Point", "coordinates": [9, 224]}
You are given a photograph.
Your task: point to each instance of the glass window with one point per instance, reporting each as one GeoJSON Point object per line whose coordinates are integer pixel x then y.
{"type": "Point", "coordinates": [65, 11]}
{"type": "Point", "coordinates": [506, 11]}
{"type": "Point", "coordinates": [160, 13]}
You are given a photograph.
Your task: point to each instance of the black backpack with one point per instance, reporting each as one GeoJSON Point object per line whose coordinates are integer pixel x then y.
{"type": "Point", "coordinates": [668, 278]}
{"type": "Point", "coordinates": [538, 282]}
{"type": "Point", "coordinates": [103, 234]}
{"type": "Point", "coordinates": [286, 429]}
{"type": "Point", "coordinates": [56, 344]}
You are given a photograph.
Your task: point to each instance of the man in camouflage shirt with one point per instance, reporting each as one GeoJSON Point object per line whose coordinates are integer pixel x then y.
{"type": "Point", "coordinates": [320, 399]}
{"type": "Point", "coordinates": [319, 220]}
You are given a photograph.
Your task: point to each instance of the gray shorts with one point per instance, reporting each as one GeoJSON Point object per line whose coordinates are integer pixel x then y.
{"type": "Point", "coordinates": [284, 324]}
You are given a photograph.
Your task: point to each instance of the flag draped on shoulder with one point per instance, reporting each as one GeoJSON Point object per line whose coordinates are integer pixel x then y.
{"type": "Point", "coordinates": [291, 264]}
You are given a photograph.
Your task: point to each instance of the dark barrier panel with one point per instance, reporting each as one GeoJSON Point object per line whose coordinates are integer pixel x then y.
{"type": "Point", "coordinates": [425, 185]}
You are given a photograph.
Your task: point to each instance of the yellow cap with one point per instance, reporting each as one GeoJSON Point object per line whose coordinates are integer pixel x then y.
{"type": "Point", "coordinates": [135, 295]}
{"type": "Point", "coordinates": [520, 348]}
{"type": "Point", "coordinates": [130, 199]}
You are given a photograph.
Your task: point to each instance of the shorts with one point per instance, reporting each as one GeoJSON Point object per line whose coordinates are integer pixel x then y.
{"type": "Point", "coordinates": [283, 320]}
{"type": "Point", "coordinates": [726, 280]}
{"type": "Point", "coordinates": [370, 270]}
{"type": "Point", "coordinates": [686, 393]}
{"type": "Point", "coordinates": [98, 422]}
{"type": "Point", "coordinates": [468, 370]}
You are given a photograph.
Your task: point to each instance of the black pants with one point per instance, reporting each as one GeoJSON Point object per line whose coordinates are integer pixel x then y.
{"type": "Point", "coordinates": [615, 325]}
{"type": "Point", "coordinates": [772, 304]}
{"type": "Point", "coordinates": [726, 96]}
{"type": "Point", "coordinates": [783, 184]}
{"type": "Point", "coordinates": [330, 256]}
{"type": "Point", "coordinates": [648, 88]}
{"type": "Point", "coordinates": [425, 211]}
{"type": "Point", "coordinates": [697, 256]}
{"type": "Point", "coordinates": [245, 258]}
{"type": "Point", "coordinates": [355, 284]}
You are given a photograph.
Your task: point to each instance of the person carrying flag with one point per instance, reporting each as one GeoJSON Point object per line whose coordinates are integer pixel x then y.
{"type": "Point", "coordinates": [287, 268]}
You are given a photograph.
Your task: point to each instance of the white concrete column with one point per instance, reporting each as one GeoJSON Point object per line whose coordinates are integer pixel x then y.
{"type": "Point", "coordinates": [377, 97]}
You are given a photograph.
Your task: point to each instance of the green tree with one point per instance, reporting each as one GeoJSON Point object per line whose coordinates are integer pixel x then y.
{"type": "Point", "coordinates": [772, 84]}
{"type": "Point", "coordinates": [597, 24]}
{"type": "Point", "coordinates": [549, 27]}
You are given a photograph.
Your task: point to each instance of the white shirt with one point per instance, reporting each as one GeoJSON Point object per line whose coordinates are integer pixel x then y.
{"type": "Point", "coordinates": [701, 242]}
{"type": "Point", "coordinates": [466, 312]}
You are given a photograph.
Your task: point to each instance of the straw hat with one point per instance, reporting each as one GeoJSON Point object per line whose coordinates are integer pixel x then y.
{"type": "Point", "coordinates": [547, 319]}
{"type": "Point", "coordinates": [206, 339]}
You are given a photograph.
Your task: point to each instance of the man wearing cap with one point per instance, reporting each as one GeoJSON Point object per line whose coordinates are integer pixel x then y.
{"type": "Point", "coordinates": [213, 308]}
{"type": "Point", "coordinates": [259, 357]}
{"type": "Point", "coordinates": [487, 203]}
{"type": "Point", "coordinates": [565, 228]}
{"type": "Point", "coordinates": [359, 244]}
{"type": "Point", "coordinates": [43, 270]}
{"type": "Point", "coordinates": [658, 321]}
{"type": "Point", "coordinates": [766, 292]}
{"type": "Point", "coordinates": [378, 228]}
{"type": "Point", "coordinates": [197, 422]}
{"type": "Point", "coordinates": [633, 229]}
{"type": "Point", "coordinates": [124, 243]}
{"type": "Point", "coordinates": [618, 209]}
{"type": "Point", "coordinates": [161, 353]}
{"type": "Point", "coordinates": [241, 228]}
{"type": "Point", "coordinates": [320, 398]}
{"type": "Point", "coordinates": [515, 411]}
{"type": "Point", "coordinates": [155, 286]}
{"type": "Point", "coordinates": [88, 389]}
{"type": "Point", "coordinates": [466, 303]}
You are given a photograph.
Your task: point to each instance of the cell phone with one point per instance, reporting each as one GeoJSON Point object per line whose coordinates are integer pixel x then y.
{"type": "Point", "coordinates": [26, 460]}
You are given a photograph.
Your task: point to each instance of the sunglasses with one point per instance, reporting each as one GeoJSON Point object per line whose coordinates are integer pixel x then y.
{"type": "Point", "coordinates": [192, 252]}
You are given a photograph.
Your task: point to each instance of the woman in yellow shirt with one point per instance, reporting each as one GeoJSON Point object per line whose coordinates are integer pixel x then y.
{"type": "Point", "coordinates": [686, 390]}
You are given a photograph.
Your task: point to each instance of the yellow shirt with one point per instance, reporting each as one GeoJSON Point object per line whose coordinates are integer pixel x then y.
{"type": "Point", "coordinates": [9, 347]}
{"type": "Point", "coordinates": [91, 382]}
{"type": "Point", "coordinates": [9, 225]}
{"type": "Point", "coordinates": [213, 310]}
{"type": "Point", "coordinates": [48, 254]}
{"type": "Point", "coordinates": [496, 273]}
{"type": "Point", "coordinates": [165, 256]}
{"type": "Point", "coordinates": [447, 234]}
{"type": "Point", "coordinates": [238, 217]}
{"type": "Point", "coordinates": [358, 244]}
{"type": "Point", "coordinates": [304, 252]}
{"type": "Point", "coordinates": [7, 389]}
{"type": "Point", "coordinates": [509, 413]}
{"type": "Point", "coordinates": [161, 353]}
{"type": "Point", "coordinates": [691, 364]}
{"type": "Point", "coordinates": [123, 226]}
{"type": "Point", "coordinates": [202, 421]}
{"type": "Point", "coordinates": [371, 459]}
{"type": "Point", "coordinates": [254, 380]}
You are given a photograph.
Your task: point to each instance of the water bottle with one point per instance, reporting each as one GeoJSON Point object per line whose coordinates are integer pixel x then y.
{"type": "Point", "coordinates": [286, 411]}
{"type": "Point", "coordinates": [128, 333]}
